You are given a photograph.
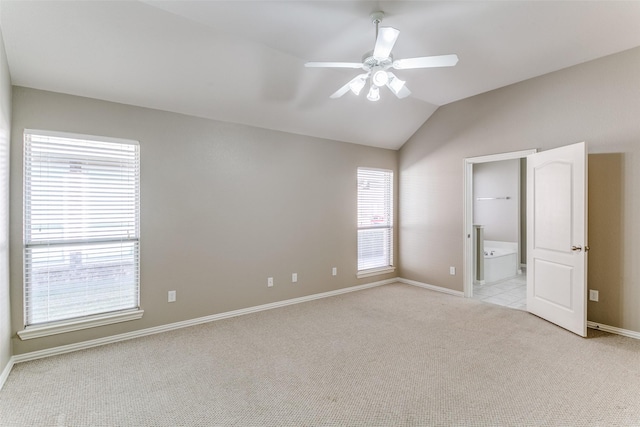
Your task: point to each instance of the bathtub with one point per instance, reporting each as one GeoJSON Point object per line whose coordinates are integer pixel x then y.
{"type": "Point", "coordinates": [500, 260]}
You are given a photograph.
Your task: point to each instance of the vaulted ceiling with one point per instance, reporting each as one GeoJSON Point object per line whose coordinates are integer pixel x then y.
{"type": "Point", "coordinates": [243, 61]}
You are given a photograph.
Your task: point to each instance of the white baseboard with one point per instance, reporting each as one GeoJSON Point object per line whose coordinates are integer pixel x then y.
{"type": "Point", "coordinates": [5, 372]}
{"type": "Point", "coordinates": [592, 325]}
{"type": "Point", "coordinates": [614, 330]}
{"type": "Point", "coordinates": [431, 287]}
{"type": "Point", "coordinates": [192, 322]}
{"type": "Point", "coordinates": [186, 323]}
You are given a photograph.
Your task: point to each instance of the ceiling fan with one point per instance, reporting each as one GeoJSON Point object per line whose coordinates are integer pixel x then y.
{"type": "Point", "coordinates": [377, 63]}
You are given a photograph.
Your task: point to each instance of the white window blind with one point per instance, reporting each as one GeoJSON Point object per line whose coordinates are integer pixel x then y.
{"type": "Point", "coordinates": [81, 226]}
{"type": "Point", "coordinates": [375, 218]}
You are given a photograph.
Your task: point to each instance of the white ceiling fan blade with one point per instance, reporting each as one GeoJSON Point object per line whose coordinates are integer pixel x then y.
{"type": "Point", "coordinates": [355, 85]}
{"type": "Point", "coordinates": [426, 62]}
{"type": "Point", "coordinates": [333, 64]}
{"type": "Point", "coordinates": [397, 86]}
{"type": "Point", "coordinates": [387, 37]}
{"type": "Point", "coordinates": [337, 94]}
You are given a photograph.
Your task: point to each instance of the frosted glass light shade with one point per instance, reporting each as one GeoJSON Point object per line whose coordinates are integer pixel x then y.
{"type": "Point", "coordinates": [374, 93]}
{"type": "Point", "coordinates": [379, 78]}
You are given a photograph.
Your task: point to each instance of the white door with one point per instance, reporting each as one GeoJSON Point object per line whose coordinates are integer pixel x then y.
{"type": "Point", "coordinates": [557, 236]}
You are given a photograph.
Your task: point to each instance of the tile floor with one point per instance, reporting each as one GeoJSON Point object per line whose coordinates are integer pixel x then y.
{"type": "Point", "coordinates": [509, 292]}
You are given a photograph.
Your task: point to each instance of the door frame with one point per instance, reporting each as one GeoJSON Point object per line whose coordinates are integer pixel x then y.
{"type": "Point", "coordinates": [468, 209]}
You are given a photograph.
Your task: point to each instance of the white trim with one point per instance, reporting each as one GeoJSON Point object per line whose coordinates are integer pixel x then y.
{"type": "Point", "coordinates": [366, 168]}
{"type": "Point", "coordinates": [467, 275]}
{"type": "Point", "coordinates": [56, 134]}
{"type": "Point", "coordinates": [38, 331]}
{"type": "Point", "coordinates": [431, 287]}
{"type": "Point", "coordinates": [375, 272]}
{"type": "Point", "coordinates": [501, 156]}
{"type": "Point", "coordinates": [54, 351]}
{"type": "Point", "coordinates": [6, 371]}
{"type": "Point", "coordinates": [613, 330]}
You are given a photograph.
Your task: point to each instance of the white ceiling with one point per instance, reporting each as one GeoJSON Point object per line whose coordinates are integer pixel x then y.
{"type": "Point", "coordinates": [243, 61]}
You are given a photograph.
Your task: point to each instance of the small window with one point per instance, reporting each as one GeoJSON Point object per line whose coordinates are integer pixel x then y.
{"type": "Point", "coordinates": [375, 221]}
{"type": "Point", "coordinates": [81, 226]}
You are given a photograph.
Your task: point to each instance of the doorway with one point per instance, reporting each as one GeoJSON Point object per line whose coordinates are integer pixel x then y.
{"type": "Point", "coordinates": [499, 218]}
{"type": "Point", "coordinates": [556, 233]}
{"type": "Point", "coordinates": [502, 241]}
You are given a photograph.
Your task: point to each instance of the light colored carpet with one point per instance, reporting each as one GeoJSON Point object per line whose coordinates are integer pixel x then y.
{"type": "Point", "coordinates": [395, 355]}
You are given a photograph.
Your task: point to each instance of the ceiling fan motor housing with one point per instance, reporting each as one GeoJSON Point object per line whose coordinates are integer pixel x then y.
{"type": "Point", "coordinates": [368, 61]}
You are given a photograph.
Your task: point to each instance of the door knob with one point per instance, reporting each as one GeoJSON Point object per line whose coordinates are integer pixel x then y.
{"type": "Point", "coordinates": [576, 248]}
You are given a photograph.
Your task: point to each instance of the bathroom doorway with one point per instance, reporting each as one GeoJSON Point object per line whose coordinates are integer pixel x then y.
{"type": "Point", "coordinates": [499, 221]}
{"type": "Point", "coordinates": [495, 225]}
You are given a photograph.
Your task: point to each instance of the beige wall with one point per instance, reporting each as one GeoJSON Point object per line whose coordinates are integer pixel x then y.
{"type": "Point", "coordinates": [223, 207]}
{"type": "Point", "coordinates": [597, 102]}
{"type": "Point", "coordinates": [5, 132]}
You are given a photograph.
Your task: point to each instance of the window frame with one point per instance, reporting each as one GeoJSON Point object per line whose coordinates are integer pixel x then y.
{"type": "Point", "coordinates": [91, 320]}
{"type": "Point", "coordinates": [388, 194]}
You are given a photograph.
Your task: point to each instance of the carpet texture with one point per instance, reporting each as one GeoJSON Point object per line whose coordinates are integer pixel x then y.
{"type": "Point", "coordinates": [394, 355]}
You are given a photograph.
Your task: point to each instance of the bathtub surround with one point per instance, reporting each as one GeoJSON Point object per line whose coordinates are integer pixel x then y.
{"type": "Point", "coordinates": [597, 102]}
{"type": "Point", "coordinates": [500, 260]}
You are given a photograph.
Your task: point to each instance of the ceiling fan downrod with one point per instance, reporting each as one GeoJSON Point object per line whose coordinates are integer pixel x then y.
{"type": "Point", "coordinates": [376, 19]}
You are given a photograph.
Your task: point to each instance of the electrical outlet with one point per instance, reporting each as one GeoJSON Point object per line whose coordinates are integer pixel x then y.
{"type": "Point", "coordinates": [334, 271]}
{"type": "Point", "coordinates": [452, 271]}
{"type": "Point", "coordinates": [593, 295]}
{"type": "Point", "coordinates": [269, 282]}
{"type": "Point", "coordinates": [171, 296]}
{"type": "Point", "coordinates": [294, 277]}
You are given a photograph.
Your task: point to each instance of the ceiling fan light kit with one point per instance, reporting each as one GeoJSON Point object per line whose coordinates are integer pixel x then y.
{"type": "Point", "coordinates": [379, 61]}
{"type": "Point", "coordinates": [357, 84]}
{"type": "Point", "coordinates": [374, 93]}
{"type": "Point", "coordinates": [379, 76]}
{"type": "Point", "coordinates": [395, 84]}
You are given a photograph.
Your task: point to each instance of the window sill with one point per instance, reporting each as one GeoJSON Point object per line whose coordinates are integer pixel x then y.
{"type": "Point", "coordinates": [375, 272]}
{"type": "Point", "coordinates": [38, 331]}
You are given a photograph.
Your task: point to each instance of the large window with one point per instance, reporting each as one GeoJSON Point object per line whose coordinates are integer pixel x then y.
{"type": "Point", "coordinates": [375, 221]}
{"type": "Point", "coordinates": [81, 226]}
